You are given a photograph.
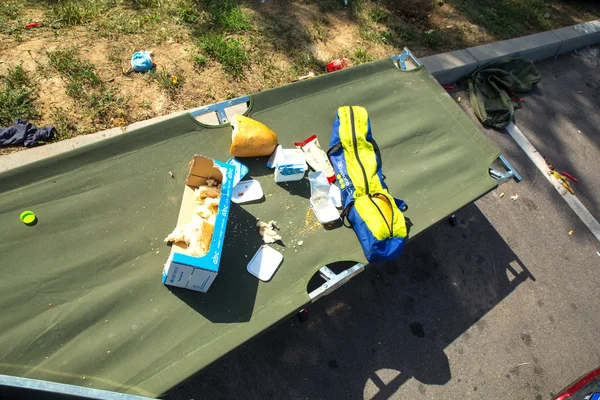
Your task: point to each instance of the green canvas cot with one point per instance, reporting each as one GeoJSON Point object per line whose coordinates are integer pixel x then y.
{"type": "Point", "coordinates": [82, 299]}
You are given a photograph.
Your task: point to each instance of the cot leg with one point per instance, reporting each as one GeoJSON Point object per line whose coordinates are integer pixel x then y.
{"type": "Point", "coordinates": [333, 280]}
{"type": "Point", "coordinates": [452, 219]}
{"type": "Point", "coordinates": [303, 315]}
{"type": "Point", "coordinates": [502, 177]}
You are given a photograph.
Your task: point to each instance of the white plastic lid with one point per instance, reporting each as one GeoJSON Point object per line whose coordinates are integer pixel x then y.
{"type": "Point", "coordinates": [265, 262]}
{"type": "Point", "coordinates": [246, 191]}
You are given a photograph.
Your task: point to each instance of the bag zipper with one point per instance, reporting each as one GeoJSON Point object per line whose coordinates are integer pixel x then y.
{"type": "Point", "coordinates": [362, 168]}
{"type": "Point", "coordinates": [355, 145]}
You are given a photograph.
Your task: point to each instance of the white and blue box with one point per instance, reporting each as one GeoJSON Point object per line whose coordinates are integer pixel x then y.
{"type": "Point", "coordinates": [198, 273]}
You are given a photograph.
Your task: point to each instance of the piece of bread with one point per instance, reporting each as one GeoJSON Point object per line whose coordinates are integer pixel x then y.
{"type": "Point", "coordinates": [251, 138]}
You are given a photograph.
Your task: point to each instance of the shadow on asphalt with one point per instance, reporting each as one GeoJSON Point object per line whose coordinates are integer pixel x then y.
{"type": "Point", "coordinates": [550, 113]}
{"type": "Point", "coordinates": [386, 326]}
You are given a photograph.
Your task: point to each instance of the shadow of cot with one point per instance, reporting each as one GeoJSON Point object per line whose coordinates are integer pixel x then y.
{"type": "Point", "coordinates": [386, 326]}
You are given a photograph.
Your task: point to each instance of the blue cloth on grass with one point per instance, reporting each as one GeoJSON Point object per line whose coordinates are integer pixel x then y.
{"type": "Point", "coordinates": [25, 133]}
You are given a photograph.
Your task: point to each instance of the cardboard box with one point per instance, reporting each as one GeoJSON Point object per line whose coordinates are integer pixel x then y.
{"type": "Point", "coordinates": [182, 269]}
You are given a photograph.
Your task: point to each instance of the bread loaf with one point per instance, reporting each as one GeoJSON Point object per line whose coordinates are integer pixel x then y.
{"type": "Point", "coordinates": [251, 138]}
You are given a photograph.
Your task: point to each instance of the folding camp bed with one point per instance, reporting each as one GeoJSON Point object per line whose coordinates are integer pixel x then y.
{"type": "Point", "coordinates": [82, 299]}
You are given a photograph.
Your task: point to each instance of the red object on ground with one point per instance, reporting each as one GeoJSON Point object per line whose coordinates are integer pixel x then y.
{"type": "Point", "coordinates": [578, 385]}
{"type": "Point", "coordinates": [33, 25]}
{"type": "Point", "coordinates": [522, 99]}
{"type": "Point", "coordinates": [448, 87]}
{"type": "Point", "coordinates": [570, 177]}
{"type": "Point", "coordinates": [338, 64]}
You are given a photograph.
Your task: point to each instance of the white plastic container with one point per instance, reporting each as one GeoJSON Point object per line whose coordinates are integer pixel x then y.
{"type": "Point", "coordinates": [324, 209]}
{"type": "Point", "coordinates": [247, 191]}
{"type": "Point", "coordinates": [320, 200]}
{"type": "Point", "coordinates": [292, 166]}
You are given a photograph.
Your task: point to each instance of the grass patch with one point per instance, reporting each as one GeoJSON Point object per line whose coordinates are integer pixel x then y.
{"type": "Point", "coordinates": [167, 81]}
{"type": "Point", "coordinates": [371, 34]}
{"type": "Point", "coordinates": [506, 19]}
{"type": "Point", "coordinates": [304, 62]}
{"type": "Point", "coordinates": [406, 33]}
{"type": "Point", "coordinates": [187, 13]}
{"type": "Point", "coordinates": [115, 55]}
{"type": "Point", "coordinates": [319, 31]}
{"type": "Point", "coordinates": [84, 85]}
{"type": "Point", "coordinates": [11, 10]}
{"type": "Point", "coordinates": [230, 52]}
{"type": "Point", "coordinates": [17, 94]}
{"type": "Point", "coordinates": [377, 15]}
{"type": "Point", "coordinates": [79, 75]}
{"type": "Point", "coordinates": [76, 12]}
{"type": "Point", "coordinates": [434, 39]}
{"type": "Point", "coordinates": [199, 61]}
{"type": "Point", "coordinates": [360, 56]}
{"type": "Point", "coordinates": [143, 4]}
{"type": "Point", "coordinates": [229, 17]}
{"type": "Point", "coordinates": [128, 24]}
{"type": "Point", "coordinates": [326, 6]}
{"type": "Point", "coordinates": [63, 122]}
{"type": "Point", "coordinates": [10, 16]}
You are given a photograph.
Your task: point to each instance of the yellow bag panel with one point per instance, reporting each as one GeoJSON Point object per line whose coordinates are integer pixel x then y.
{"type": "Point", "coordinates": [382, 216]}
{"type": "Point", "coordinates": [366, 151]}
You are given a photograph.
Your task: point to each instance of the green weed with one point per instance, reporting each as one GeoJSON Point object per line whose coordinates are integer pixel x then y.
{"type": "Point", "coordinates": [230, 19]}
{"type": "Point", "coordinates": [505, 19]}
{"type": "Point", "coordinates": [199, 61]}
{"type": "Point", "coordinates": [378, 15]}
{"type": "Point", "coordinates": [326, 5]}
{"type": "Point", "coordinates": [78, 75]}
{"type": "Point", "coordinates": [230, 52]}
{"type": "Point", "coordinates": [125, 23]}
{"type": "Point", "coordinates": [320, 31]}
{"type": "Point", "coordinates": [10, 16]}
{"type": "Point", "coordinates": [434, 39]}
{"type": "Point", "coordinates": [304, 61]}
{"type": "Point", "coordinates": [373, 35]}
{"type": "Point", "coordinates": [65, 126]}
{"type": "Point", "coordinates": [17, 77]}
{"type": "Point", "coordinates": [360, 55]}
{"type": "Point", "coordinates": [406, 32]}
{"type": "Point", "coordinates": [17, 94]}
{"type": "Point", "coordinates": [75, 12]}
{"type": "Point", "coordinates": [83, 84]}
{"type": "Point", "coordinates": [11, 10]}
{"type": "Point", "coordinates": [169, 82]}
{"type": "Point", "coordinates": [142, 4]}
{"type": "Point", "coordinates": [104, 104]}
{"type": "Point", "coordinates": [368, 33]}
{"type": "Point", "coordinates": [114, 56]}
{"type": "Point", "coordinates": [187, 13]}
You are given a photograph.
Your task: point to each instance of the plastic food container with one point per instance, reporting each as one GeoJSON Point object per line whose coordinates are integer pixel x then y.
{"type": "Point", "coordinates": [324, 209]}
{"type": "Point", "coordinates": [292, 167]}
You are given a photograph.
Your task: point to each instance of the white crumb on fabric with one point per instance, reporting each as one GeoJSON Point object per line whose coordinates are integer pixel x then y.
{"type": "Point", "coordinates": [267, 231]}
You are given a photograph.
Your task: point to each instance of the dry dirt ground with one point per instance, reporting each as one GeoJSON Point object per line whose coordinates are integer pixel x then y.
{"type": "Point", "coordinates": [207, 51]}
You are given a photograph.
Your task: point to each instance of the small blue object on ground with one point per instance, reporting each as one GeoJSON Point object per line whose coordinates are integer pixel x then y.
{"type": "Point", "coordinates": [141, 61]}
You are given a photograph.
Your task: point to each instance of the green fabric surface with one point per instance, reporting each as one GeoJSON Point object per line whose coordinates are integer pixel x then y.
{"type": "Point", "coordinates": [81, 290]}
{"type": "Point", "coordinates": [488, 87]}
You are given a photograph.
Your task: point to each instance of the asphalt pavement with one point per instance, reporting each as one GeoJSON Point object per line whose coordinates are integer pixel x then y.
{"type": "Point", "coordinates": [504, 305]}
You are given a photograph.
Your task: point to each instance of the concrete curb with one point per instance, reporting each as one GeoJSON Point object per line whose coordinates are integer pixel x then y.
{"type": "Point", "coordinates": [449, 67]}
{"type": "Point", "coordinates": [446, 68]}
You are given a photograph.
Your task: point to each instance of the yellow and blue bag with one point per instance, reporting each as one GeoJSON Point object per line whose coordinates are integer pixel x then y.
{"type": "Point", "coordinates": [371, 211]}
